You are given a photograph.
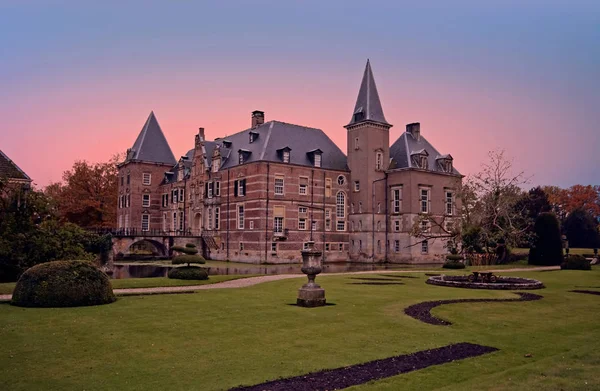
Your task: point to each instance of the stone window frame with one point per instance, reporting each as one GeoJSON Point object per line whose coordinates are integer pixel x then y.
{"type": "Point", "coordinates": [302, 224]}
{"type": "Point", "coordinates": [279, 188]}
{"type": "Point", "coordinates": [449, 202]}
{"type": "Point", "coordinates": [303, 185]}
{"type": "Point", "coordinates": [145, 200]}
{"type": "Point", "coordinates": [217, 217]}
{"type": "Point", "coordinates": [146, 217]}
{"type": "Point", "coordinates": [396, 202]}
{"type": "Point", "coordinates": [240, 221]}
{"type": "Point", "coordinates": [146, 178]}
{"type": "Point", "coordinates": [425, 247]}
{"type": "Point", "coordinates": [424, 199]}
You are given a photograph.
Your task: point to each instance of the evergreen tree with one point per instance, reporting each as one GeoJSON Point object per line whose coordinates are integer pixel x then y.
{"type": "Point", "coordinates": [547, 244]}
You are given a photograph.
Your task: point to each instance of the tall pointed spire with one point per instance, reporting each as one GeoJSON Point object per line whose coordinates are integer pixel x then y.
{"type": "Point", "coordinates": [151, 144]}
{"type": "Point", "coordinates": [368, 107]}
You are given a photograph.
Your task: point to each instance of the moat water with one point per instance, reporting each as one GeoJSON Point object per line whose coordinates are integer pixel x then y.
{"type": "Point", "coordinates": [131, 270]}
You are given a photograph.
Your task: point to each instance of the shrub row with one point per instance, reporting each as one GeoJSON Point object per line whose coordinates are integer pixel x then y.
{"type": "Point", "coordinates": [453, 265]}
{"type": "Point", "coordinates": [188, 273]}
{"type": "Point", "coordinates": [576, 262]}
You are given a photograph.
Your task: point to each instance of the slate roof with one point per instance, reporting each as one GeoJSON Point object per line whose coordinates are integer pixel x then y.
{"type": "Point", "coordinates": [273, 136]}
{"type": "Point", "coordinates": [151, 144]}
{"type": "Point", "coordinates": [8, 169]}
{"type": "Point", "coordinates": [406, 145]}
{"type": "Point", "coordinates": [368, 105]}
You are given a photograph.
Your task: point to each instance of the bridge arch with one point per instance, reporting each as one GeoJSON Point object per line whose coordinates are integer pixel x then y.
{"type": "Point", "coordinates": [145, 244]}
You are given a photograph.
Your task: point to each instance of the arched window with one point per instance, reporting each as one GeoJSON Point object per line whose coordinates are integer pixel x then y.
{"type": "Point", "coordinates": [340, 205]}
{"type": "Point", "coordinates": [378, 226]}
{"type": "Point", "coordinates": [379, 161]}
{"type": "Point", "coordinates": [359, 225]}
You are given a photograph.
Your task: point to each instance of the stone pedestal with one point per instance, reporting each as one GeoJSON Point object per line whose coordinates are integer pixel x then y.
{"type": "Point", "coordinates": [311, 294]}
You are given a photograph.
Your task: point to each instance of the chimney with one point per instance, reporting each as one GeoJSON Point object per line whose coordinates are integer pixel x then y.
{"type": "Point", "coordinates": [201, 133]}
{"type": "Point", "coordinates": [415, 130]}
{"type": "Point", "coordinates": [258, 118]}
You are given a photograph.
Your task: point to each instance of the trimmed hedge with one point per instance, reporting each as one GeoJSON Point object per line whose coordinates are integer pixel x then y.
{"type": "Point", "coordinates": [189, 255]}
{"type": "Point", "coordinates": [576, 262]}
{"type": "Point", "coordinates": [188, 273]}
{"type": "Point", "coordinates": [453, 265]}
{"type": "Point", "coordinates": [454, 257]}
{"type": "Point", "coordinates": [63, 284]}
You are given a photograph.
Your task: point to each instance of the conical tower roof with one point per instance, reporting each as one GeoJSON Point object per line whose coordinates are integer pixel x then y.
{"type": "Point", "coordinates": [151, 144]}
{"type": "Point", "coordinates": [368, 106]}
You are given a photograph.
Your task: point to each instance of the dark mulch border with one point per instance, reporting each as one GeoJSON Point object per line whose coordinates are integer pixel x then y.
{"type": "Point", "coordinates": [376, 283]}
{"type": "Point", "coordinates": [336, 379]}
{"type": "Point", "coordinates": [421, 311]}
{"type": "Point", "coordinates": [587, 292]}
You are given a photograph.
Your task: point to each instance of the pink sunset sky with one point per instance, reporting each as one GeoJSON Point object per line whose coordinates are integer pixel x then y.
{"type": "Point", "coordinates": [78, 81]}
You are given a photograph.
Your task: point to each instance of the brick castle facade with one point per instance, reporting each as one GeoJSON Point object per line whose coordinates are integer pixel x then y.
{"type": "Point", "coordinates": [259, 195]}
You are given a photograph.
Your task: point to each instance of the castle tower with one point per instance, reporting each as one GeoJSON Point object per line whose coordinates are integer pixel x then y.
{"type": "Point", "coordinates": [368, 158]}
{"type": "Point", "coordinates": [140, 176]}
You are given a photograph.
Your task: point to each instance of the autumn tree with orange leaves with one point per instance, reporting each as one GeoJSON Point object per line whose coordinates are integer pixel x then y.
{"type": "Point", "coordinates": [87, 194]}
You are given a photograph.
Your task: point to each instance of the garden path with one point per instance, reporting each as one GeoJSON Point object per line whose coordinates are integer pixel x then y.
{"type": "Point", "coordinates": [250, 281]}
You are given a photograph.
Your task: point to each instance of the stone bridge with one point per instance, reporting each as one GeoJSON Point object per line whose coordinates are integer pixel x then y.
{"type": "Point", "coordinates": [125, 240]}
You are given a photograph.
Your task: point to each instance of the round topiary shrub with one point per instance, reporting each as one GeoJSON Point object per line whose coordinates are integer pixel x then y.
{"type": "Point", "coordinates": [576, 262]}
{"type": "Point", "coordinates": [63, 284]}
{"type": "Point", "coordinates": [453, 265]}
{"type": "Point", "coordinates": [188, 273]}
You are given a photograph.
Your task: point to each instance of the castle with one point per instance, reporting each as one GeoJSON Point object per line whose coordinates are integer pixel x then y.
{"type": "Point", "coordinates": [261, 194]}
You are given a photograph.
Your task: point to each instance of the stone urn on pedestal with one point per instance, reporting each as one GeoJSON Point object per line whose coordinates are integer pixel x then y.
{"type": "Point", "coordinates": [311, 294]}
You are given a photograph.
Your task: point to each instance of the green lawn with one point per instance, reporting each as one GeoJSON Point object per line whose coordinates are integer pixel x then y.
{"type": "Point", "coordinates": [217, 339]}
{"type": "Point", "coordinates": [8, 287]}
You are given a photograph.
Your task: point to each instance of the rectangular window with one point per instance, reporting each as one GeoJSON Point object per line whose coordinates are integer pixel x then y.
{"type": "Point", "coordinates": [397, 246]}
{"type": "Point", "coordinates": [181, 195]}
{"type": "Point", "coordinates": [174, 221]}
{"type": "Point", "coordinates": [326, 246]}
{"type": "Point", "coordinates": [379, 161]}
{"type": "Point", "coordinates": [279, 185]}
{"type": "Point", "coordinates": [146, 178]}
{"type": "Point", "coordinates": [341, 247]}
{"type": "Point", "coordinates": [126, 221]}
{"type": "Point", "coordinates": [217, 213]}
{"type": "Point", "coordinates": [305, 246]}
{"type": "Point", "coordinates": [327, 187]}
{"type": "Point", "coordinates": [216, 164]}
{"type": "Point", "coordinates": [341, 225]}
{"type": "Point", "coordinates": [424, 247]}
{"type": "Point", "coordinates": [327, 224]}
{"type": "Point", "coordinates": [356, 186]}
{"type": "Point", "coordinates": [146, 200]}
{"type": "Point", "coordinates": [251, 224]}
{"type": "Point", "coordinates": [396, 199]}
{"type": "Point", "coordinates": [317, 160]}
{"type": "Point", "coordinates": [286, 156]}
{"type": "Point", "coordinates": [145, 222]}
{"type": "Point", "coordinates": [424, 200]}
{"type": "Point", "coordinates": [165, 200]}
{"type": "Point", "coordinates": [302, 210]}
{"type": "Point", "coordinates": [274, 247]}
{"type": "Point", "coordinates": [302, 224]}
{"type": "Point", "coordinates": [241, 158]}
{"type": "Point", "coordinates": [278, 224]}
{"type": "Point", "coordinates": [240, 216]}
{"type": "Point", "coordinates": [424, 227]}
{"type": "Point", "coordinates": [241, 187]}
{"type": "Point", "coordinates": [314, 225]}
{"type": "Point", "coordinates": [174, 195]}
{"type": "Point", "coordinates": [449, 203]}
{"type": "Point", "coordinates": [241, 246]}
{"type": "Point", "coordinates": [211, 186]}
{"type": "Point", "coordinates": [303, 186]}
{"type": "Point", "coordinates": [181, 221]}
{"type": "Point", "coordinates": [396, 225]}
{"type": "Point", "coordinates": [217, 188]}
{"type": "Point", "coordinates": [356, 143]}
{"type": "Point", "coordinates": [209, 219]}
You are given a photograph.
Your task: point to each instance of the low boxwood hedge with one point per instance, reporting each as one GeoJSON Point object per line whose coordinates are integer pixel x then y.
{"type": "Point", "coordinates": [63, 284]}
{"type": "Point", "coordinates": [576, 262]}
{"type": "Point", "coordinates": [453, 265]}
{"type": "Point", "coordinates": [188, 273]}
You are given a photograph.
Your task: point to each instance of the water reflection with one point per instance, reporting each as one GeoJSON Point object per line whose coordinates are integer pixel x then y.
{"type": "Point", "coordinates": [141, 271]}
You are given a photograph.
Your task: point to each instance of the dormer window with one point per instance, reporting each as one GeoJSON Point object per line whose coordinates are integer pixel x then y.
{"type": "Point", "coordinates": [445, 163]}
{"type": "Point", "coordinates": [252, 136]}
{"type": "Point", "coordinates": [359, 115]}
{"type": "Point", "coordinates": [315, 156]}
{"type": "Point", "coordinates": [420, 159]}
{"type": "Point", "coordinates": [284, 154]}
{"type": "Point", "coordinates": [243, 155]}
{"type": "Point", "coordinates": [226, 144]}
